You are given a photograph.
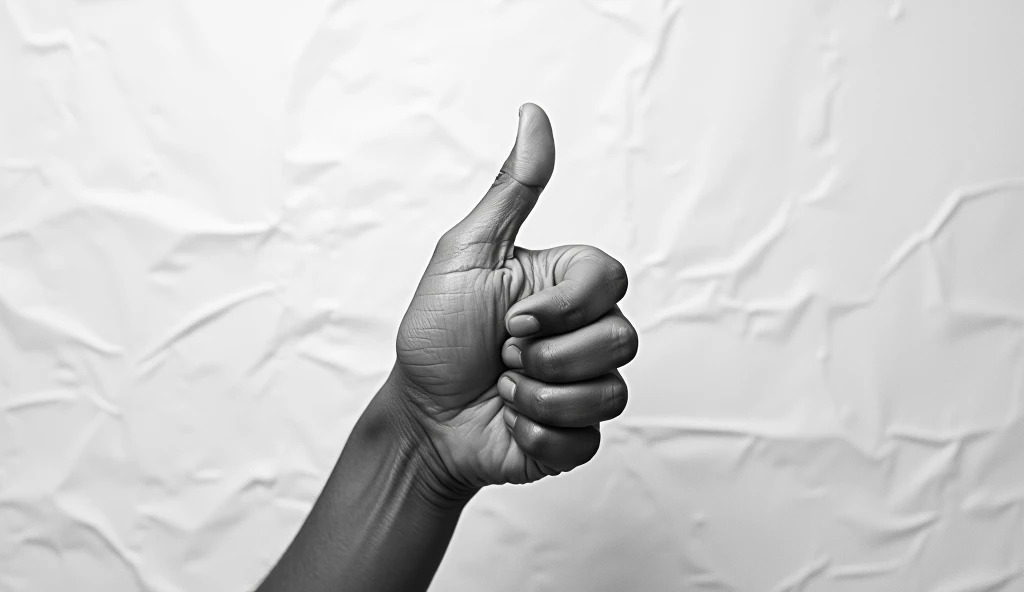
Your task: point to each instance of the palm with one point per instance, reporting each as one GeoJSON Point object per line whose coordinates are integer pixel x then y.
{"type": "Point", "coordinates": [449, 342]}
{"type": "Point", "coordinates": [449, 349]}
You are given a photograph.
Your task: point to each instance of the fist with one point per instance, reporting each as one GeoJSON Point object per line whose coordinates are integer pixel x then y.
{"type": "Point", "coordinates": [508, 358]}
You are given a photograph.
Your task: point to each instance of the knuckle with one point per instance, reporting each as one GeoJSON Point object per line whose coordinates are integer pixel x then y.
{"type": "Point", "coordinates": [624, 341]}
{"type": "Point", "coordinates": [569, 306]}
{"type": "Point", "coordinates": [542, 402]}
{"type": "Point", "coordinates": [447, 244]}
{"type": "Point", "coordinates": [614, 398]}
{"type": "Point", "coordinates": [447, 238]}
{"type": "Point", "coordinates": [533, 441]}
{"type": "Point", "coordinates": [563, 302]}
{"type": "Point", "coordinates": [589, 448]}
{"type": "Point", "coordinates": [575, 317]}
{"type": "Point", "coordinates": [547, 360]}
{"type": "Point", "coordinates": [454, 242]}
{"type": "Point", "coordinates": [618, 279]}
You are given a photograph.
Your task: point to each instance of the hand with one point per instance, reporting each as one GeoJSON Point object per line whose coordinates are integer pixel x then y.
{"type": "Point", "coordinates": [508, 358]}
{"type": "Point", "coordinates": [507, 363]}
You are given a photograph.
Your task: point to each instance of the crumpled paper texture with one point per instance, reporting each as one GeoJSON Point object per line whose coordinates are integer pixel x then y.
{"type": "Point", "coordinates": [214, 212]}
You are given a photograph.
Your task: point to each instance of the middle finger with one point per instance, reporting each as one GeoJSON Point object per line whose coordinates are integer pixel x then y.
{"type": "Point", "coordinates": [587, 352]}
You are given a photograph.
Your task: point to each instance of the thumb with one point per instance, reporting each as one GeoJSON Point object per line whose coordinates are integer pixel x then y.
{"type": "Point", "coordinates": [533, 156]}
{"type": "Point", "coordinates": [495, 221]}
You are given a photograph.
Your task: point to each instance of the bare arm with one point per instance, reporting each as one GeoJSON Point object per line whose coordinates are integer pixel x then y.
{"type": "Point", "coordinates": [506, 364]}
{"type": "Point", "coordinates": [383, 520]}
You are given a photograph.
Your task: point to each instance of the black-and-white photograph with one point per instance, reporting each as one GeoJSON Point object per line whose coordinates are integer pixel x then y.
{"type": "Point", "coordinates": [511, 296]}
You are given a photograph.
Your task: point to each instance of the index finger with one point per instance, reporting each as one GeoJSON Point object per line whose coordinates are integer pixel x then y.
{"type": "Point", "coordinates": [592, 283]}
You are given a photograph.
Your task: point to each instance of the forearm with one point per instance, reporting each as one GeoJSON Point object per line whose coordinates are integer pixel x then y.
{"type": "Point", "coordinates": [383, 520]}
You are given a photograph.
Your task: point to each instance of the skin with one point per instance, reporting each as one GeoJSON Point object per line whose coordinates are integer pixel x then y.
{"type": "Point", "coordinates": [506, 364]}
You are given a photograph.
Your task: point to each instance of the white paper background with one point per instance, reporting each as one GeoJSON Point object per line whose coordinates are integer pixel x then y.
{"type": "Point", "coordinates": [214, 213]}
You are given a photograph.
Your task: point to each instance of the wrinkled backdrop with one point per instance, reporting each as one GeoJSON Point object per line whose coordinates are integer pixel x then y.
{"type": "Point", "coordinates": [213, 214]}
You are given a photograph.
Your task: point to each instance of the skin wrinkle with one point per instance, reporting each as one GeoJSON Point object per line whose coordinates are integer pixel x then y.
{"type": "Point", "coordinates": [676, 122]}
{"type": "Point", "coordinates": [437, 431]}
{"type": "Point", "coordinates": [546, 355]}
{"type": "Point", "coordinates": [612, 401]}
{"type": "Point", "coordinates": [542, 402]}
{"type": "Point", "coordinates": [435, 457]}
{"type": "Point", "coordinates": [623, 339]}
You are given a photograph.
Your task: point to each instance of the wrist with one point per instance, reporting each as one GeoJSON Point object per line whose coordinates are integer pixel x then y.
{"type": "Point", "coordinates": [394, 411]}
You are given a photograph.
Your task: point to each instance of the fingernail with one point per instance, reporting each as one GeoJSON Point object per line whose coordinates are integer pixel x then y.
{"type": "Point", "coordinates": [512, 357]}
{"type": "Point", "coordinates": [510, 417]}
{"type": "Point", "coordinates": [520, 110]}
{"type": "Point", "coordinates": [523, 325]}
{"type": "Point", "coordinates": [507, 389]}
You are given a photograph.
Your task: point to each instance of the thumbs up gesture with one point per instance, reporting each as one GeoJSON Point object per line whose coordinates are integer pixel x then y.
{"type": "Point", "coordinates": [507, 358]}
